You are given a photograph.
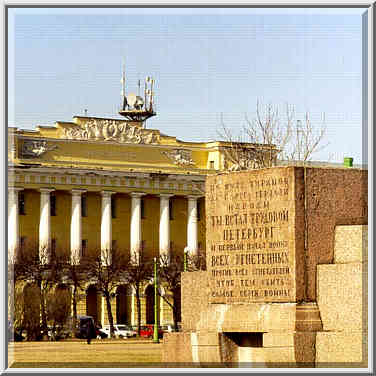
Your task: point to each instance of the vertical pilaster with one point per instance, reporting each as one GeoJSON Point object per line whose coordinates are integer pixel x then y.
{"type": "Point", "coordinates": [76, 226]}
{"type": "Point", "coordinates": [192, 240]}
{"type": "Point", "coordinates": [164, 226]}
{"type": "Point", "coordinates": [106, 228]}
{"type": "Point", "coordinates": [45, 226]}
{"type": "Point", "coordinates": [13, 223]}
{"type": "Point", "coordinates": [136, 236]}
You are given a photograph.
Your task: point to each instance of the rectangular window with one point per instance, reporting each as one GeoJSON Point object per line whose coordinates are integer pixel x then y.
{"type": "Point", "coordinates": [142, 208]}
{"type": "Point", "coordinates": [113, 207]}
{"type": "Point", "coordinates": [21, 203]}
{"type": "Point", "coordinates": [84, 206]}
{"type": "Point", "coordinates": [170, 210]}
{"type": "Point", "coordinates": [84, 247]}
{"type": "Point", "coordinates": [198, 210]}
{"type": "Point", "coordinates": [211, 165]}
{"type": "Point", "coordinates": [53, 205]}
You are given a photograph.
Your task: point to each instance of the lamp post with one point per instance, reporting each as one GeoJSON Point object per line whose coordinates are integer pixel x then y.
{"type": "Point", "coordinates": [185, 259]}
{"type": "Point", "coordinates": [155, 332]}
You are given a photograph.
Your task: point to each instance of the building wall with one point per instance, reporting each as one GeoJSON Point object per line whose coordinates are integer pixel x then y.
{"type": "Point", "coordinates": [121, 224]}
{"type": "Point", "coordinates": [60, 224]}
{"type": "Point", "coordinates": [29, 223]}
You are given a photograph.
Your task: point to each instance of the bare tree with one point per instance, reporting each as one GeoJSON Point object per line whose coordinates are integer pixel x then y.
{"type": "Point", "coordinates": [170, 270]}
{"type": "Point", "coordinates": [75, 275]}
{"type": "Point", "coordinates": [267, 138]}
{"type": "Point", "coordinates": [42, 268]}
{"type": "Point", "coordinates": [108, 269]}
{"type": "Point", "coordinates": [137, 273]}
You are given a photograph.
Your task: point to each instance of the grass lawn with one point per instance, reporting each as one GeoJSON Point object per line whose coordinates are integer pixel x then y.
{"type": "Point", "coordinates": [106, 353]}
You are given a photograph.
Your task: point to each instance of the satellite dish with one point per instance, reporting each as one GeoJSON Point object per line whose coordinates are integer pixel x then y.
{"type": "Point", "coordinates": [139, 103]}
{"type": "Point", "coordinates": [131, 99]}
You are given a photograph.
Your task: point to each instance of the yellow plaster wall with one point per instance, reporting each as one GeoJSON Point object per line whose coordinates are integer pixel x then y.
{"type": "Point", "coordinates": [60, 224]}
{"type": "Point", "coordinates": [150, 226]}
{"type": "Point", "coordinates": [178, 225]}
{"type": "Point", "coordinates": [121, 224]}
{"type": "Point", "coordinates": [29, 223]}
{"type": "Point", "coordinates": [91, 225]}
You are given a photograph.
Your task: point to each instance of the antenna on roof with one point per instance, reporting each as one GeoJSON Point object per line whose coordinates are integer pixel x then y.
{"type": "Point", "coordinates": [122, 80]}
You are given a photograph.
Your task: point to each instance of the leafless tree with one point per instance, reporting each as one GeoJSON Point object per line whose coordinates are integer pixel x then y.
{"type": "Point", "coordinates": [266, 139]}
{"type": "Point", "coordinates": [137, 273]}
{"type": "Point", "coordinates": [58, 310]}
{"type": "Point", "coordinates": [170, 269]}
{"type": "Point", "coordinates": [107, 269]}
{"type": "Point", "coordinates": [75, 275]}
{"type": "Point", "coordinates": [42, 268]}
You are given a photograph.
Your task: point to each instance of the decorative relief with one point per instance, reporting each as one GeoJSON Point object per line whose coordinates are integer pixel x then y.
{"type": "Point", "coordinates": [181, 157]}
{"type": "Point", "coordinates": [36, 148]}
{"type": "Point", "coordinates": [110, 130]}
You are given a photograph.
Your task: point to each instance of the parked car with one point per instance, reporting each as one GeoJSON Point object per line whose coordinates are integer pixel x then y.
{"type": "Point", "coordinates": [167, 328]}
{"type": "Point", "coordinates": [121, 331]}
{"type": "Point", "coordinates": [147, 331]}
{"type": "Point", "coordinates": [100, 333]}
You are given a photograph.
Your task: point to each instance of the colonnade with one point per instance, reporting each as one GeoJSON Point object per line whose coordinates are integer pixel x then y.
{"type": "Point", "coordinates": [106, 224]}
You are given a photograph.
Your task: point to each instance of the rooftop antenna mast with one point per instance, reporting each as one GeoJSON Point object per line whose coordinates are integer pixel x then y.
{"type": "Point", "coordinates": [136, 108]}
{"type": "Point", "coordinates": [123, 87]}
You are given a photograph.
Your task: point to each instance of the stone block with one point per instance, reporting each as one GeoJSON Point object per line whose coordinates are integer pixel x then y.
{"type": "Point", "coordinates": [276, 339]}
{"type": "Point", "coordinates": [207, 338]}
{"type": "Point", "coordinates": [194, 298]}
{"type": "Point", "coordinates": [255, 242]}
{"type": "Point", "coordinates": [272, 357]}
{"type": "Point", "coordinates": [351, 244]}
{"type": "Point", "coordinates": [206, 354]}
{"type": "Point", "coordinates": [334, 196]}
{"type": "Point", "coordinates": [341, 349]}
{"type": "Point", "coordinates": [176, 348]}
{"type": "Point", "coordinates": [255, 317]}
{"type": "Point", "coordinates": [339, 296]}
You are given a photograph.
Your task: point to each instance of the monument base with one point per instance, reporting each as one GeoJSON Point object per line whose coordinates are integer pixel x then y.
{"type": "Point", "coordinates": [267, 335]}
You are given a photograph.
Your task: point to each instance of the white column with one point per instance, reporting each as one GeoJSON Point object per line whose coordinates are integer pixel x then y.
{"type": "Point", "coordinates": [164, 226]}
{"type": "Point", "coordinates": [136, 226]}
{"type": "Point", "coordinates": [192, 241]}
{"type": "Point", "coordinates": [106, 227]}
{"type": "Point", "coordinates": [76, 226]}
{"type": "Point", "coordinates": [13, 223]}
{"type": "Point", "coordinates": [45, 225]}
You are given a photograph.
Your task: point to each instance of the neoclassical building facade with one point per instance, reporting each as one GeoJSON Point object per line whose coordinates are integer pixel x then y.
{"type": "Point", "coordinates": [98, 183]}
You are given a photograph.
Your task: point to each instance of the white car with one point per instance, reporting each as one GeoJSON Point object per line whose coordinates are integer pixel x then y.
{"type": "Point", "coordinates": [121, 331]}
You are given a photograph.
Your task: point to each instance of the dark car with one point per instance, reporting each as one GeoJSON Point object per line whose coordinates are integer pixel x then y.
{"type": "Point", "coordinates": [86, 327]}
{"type": "Point", "coordinates": [147, 331]}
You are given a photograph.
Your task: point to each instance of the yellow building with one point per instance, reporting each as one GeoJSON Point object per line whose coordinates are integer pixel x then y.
{"type": "Point", "coordinates": [98, 183]}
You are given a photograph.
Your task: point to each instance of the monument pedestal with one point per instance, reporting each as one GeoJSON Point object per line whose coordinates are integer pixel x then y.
{"type": "Point", "coordinates": [284, 285]}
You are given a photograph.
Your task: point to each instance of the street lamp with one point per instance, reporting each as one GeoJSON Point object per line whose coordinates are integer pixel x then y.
{"type": "Point", "coordinates": [155, 332]}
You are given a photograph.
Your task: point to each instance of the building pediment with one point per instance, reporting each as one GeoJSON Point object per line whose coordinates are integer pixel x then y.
{"type": "Point", "coordinates": [95, 129]}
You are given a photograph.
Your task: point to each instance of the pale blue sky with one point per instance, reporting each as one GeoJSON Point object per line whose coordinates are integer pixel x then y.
{"type": "Point", "coordinates": [205, 62]}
